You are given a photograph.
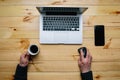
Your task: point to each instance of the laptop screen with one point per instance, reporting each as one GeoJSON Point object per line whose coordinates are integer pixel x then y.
{"type": "Point", "coordinates": [61, 13]}
{"type": "Point", "coordinates": [61, 10]}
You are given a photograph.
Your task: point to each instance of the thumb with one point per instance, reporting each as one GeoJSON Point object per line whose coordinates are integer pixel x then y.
{"type": "Point", "coordinates": [27, 56]}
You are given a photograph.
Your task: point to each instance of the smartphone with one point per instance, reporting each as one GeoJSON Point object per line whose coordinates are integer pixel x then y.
{"type": "Point", "coordinates": [99, 35]}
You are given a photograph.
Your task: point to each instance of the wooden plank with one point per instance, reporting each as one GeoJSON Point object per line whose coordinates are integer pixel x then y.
{"type": "Point", "coordinates": [14, 47]}
{"type": "Point", "coordinates": [72, 55]}
{"type": "Point", "coordinates": [23, 43]}
{"type": "Point", "coordinates": [21, 20]}
{"type": "Point", "coordinates": [32, 31]}
{"type": "Point", "coordinates": [88, 20]}
{"type": "Point", "coordinates": [109, 75]}
{"type": "Point", "coordinates": [104, 20]}
{"type": "Point", "coordinates": [17, 43]}
{"type": "Point", "coordinates": [15, 11]}
{"type": "Point", "coordinates": [102, 10]}
{"type": "Point", "coordinates": [19, 27]}
{"type": "Point", "coordinates": [59, 66]}
{"type": "Point", "coordinates": [60, 2]}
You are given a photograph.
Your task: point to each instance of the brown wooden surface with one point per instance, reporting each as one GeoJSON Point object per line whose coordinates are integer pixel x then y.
{"type": "Point", "coordinates": [19, 27]}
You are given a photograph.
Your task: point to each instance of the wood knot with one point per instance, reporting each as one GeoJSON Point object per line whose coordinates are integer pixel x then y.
{"type": "Point", "coordinates": [58, 2]}
{"type": "Point", "coordinates": [14, 29]}
{"type": "Point", "coordinates": [26, 9]}
{"type": "Point", "coordinates": [28, 18]}
{"type": "Point", "coordinates": [24, 44]}
{"type": "Point", "coordinates": [64, 0]}
{"type": "Point", "coordinates": [106, 46]}
{"type": "Point", "coordinates": [97, 77]}
{"type": "Point", "coordinates": [115, 12]}
{"type": "Point", "coordinates": [29, 13]}
{"type": "Point", "coordinates": [74, 56]}
{"type": "Point", "coordinates": [2, 0]}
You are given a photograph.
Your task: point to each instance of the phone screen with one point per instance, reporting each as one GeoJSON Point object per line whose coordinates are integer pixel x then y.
{"type": "Point", "coordinates": [99, 35]}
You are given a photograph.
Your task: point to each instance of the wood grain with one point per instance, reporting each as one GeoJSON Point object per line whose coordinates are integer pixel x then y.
{"type": "Point", "coordinates": [24, 32]}
{"type": "Point", "coordinates": [59, 66]}
{"type": "Point", "coordinates": [88, 20]}
{"type": "Point", "coordinates": [58, 52]}
{"type": "Point", "coordinates": [19, 27]}
{"type": "Point", "coordinates": [29, 28]}
{"type": "Point", "coordinates": [59, 2]}
{"type": "Point", "coordinates": [21, 43]}
{"type": "Point", "coordinates": [109, 75]}
{"type": "Point", "coordinates": [14, 11]}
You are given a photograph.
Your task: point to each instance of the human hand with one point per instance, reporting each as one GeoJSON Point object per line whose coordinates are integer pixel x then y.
{"type": "Point", "coordinates": [85, 63]}
{"type": "Point", "coordinates": [24, 60]}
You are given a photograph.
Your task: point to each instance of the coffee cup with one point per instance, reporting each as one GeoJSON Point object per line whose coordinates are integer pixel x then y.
{"type": "Point", "coordinates": [33, 49]}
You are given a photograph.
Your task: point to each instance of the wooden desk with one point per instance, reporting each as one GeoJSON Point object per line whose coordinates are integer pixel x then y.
{"type": "Point", "coordinates": [19, 27]}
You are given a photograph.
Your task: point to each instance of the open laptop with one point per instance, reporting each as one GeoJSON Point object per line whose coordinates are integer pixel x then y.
{"type": "Point", "coordinates": [61, 25]}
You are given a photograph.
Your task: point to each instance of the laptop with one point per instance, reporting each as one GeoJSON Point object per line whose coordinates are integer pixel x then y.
{"type": "Point", "coordinates": [61, 25]}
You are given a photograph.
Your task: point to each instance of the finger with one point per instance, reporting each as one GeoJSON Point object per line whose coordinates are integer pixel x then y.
{"type": "Point", "coordinates": [89, 56]}
{"type": "Point", "coordinates": [27, 57]}
{"type": "Point", "coordinates": [91, 59]}
{"type": "Point", "coordinates": [27, 53]}
{"type": "Point", "coordinates": [78, 58]}
{"type": "Point", "coordinates": [88, 53]}
{"type": "Point", "coordinates": [22, 56]}
{"type": "Point", "coordinates": [82, 55]}
{"type": "Point", "coordinates": [79, 62]}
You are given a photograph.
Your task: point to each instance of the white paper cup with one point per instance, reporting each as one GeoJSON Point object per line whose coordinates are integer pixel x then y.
{"type": "Point", "coordinates": [33, 49]}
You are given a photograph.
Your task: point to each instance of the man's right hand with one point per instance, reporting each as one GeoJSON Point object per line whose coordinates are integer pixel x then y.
{"type": "Point", "coordinates": [85, 63]}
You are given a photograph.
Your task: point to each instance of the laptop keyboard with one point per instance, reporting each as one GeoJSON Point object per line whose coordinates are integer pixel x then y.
{"type": "Point", "coordinates": [60, 23]}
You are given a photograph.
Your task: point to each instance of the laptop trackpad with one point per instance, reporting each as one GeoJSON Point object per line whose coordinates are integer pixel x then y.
{"type": "Point", "coordinates": [60, 37]}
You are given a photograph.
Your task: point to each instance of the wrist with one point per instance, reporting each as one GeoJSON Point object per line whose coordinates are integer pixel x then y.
{"type": "Point", "coordinates": [22, 65]}
{"type": "Point", "coordinates": [85, 71]}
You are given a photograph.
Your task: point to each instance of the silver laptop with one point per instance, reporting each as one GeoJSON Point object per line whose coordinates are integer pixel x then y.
{"type": "Point", "coordinates": [61, 25]}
